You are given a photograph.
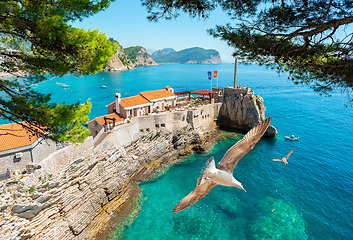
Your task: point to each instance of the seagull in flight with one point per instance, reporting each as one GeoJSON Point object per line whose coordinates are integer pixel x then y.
{"type": "Point", "coordinates": [223, 173]}
{"type": "Point", "coordinates": [284, 159]}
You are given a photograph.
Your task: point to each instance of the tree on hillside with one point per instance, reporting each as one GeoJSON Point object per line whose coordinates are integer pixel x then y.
{"type": "Point", "coordinates": [36, 38]}
{"type": "Point", "coordinates": [311, 39]}
{"type": "Point", "coordinates": [132, 52]}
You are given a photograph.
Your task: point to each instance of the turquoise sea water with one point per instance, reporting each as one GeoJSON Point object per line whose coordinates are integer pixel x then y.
{"type": "Point", "coordinates": [310, 198]}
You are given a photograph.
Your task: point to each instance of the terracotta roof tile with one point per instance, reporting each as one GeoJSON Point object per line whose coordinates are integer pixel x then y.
{"type": "Point", "coordinates": [133, 101]}
{"type": "Point", "coordinates": [13, 135]}
{"type": "Point", "coordinates": [156, 94]}
{"type": "Point", "coordinates": [111, 115]}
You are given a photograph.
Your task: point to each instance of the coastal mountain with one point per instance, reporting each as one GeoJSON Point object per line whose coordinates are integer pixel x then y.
{"type": "Point", "coordinates": [162, 53]}
{"type": "Point", "coordinates": [139, 56]}
{"type": "Point", "coordinates": [195, 55]}
{"type": "Point", "coordinates": [128, 58]}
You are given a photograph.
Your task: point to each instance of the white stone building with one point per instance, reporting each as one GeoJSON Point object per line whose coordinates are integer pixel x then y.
{"type": "Point", "coordinates": [143, 103]}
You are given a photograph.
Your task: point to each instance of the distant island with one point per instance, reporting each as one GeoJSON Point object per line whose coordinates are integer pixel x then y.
{"type": "Point", "coordinates": [131, 57]}
{"type": "Point", "coordinates": [195, 55]}
{"type": "Point", "coordinates": [128, 58]}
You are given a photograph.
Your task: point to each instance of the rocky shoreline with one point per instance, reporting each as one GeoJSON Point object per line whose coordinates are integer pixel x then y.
{"type": "Point", "coordinates": [92, 195]}
{"type": "Point", "coordinates": [86, 191]}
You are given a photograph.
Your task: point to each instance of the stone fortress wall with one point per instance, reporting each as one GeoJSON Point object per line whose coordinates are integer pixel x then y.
{"type": "Point", "coordinates": [201, 119]}
{"type": "Point", "coordinates": [233, 108]}
{"type": "Point", "coordinates": [83, 187]}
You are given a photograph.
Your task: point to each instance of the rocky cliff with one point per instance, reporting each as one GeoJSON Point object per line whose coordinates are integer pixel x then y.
{"type": "Point", "coordinates": [96, 188]}
{"type": "Point", "coordinates": [129, 58]}
{"type": "Point", "coordinates": [139, 56]}
{"type": "Point", "coordinates": [242, 110]}
{"type": "Point", "coordinates": [88, 193]}
{"type": "Point", "coordinates": [119, 62]}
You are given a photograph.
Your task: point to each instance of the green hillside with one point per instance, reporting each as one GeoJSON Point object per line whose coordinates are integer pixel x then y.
{"type": "Point", "coordinates": [132, 52]}
{"type": "Point", "coordinates": [195, 54]}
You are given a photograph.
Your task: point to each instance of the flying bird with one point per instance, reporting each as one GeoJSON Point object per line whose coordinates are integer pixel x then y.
{"type": "Point", "coordinates": [223, 173]}
{"type": "Point", "coordinates": [284, 159]}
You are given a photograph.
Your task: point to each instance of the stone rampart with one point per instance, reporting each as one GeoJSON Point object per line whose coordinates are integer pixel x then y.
{"type": "Point", "coordinates": [89, 184]}
{"type": "Point", "coordinates": [57, 161]}
{"type": "Point", "coordinates": [200, 118]}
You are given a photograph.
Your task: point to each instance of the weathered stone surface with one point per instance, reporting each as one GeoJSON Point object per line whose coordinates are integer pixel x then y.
{"type": "Point", "coordinates": [43, 198]}
{"type": "Point", "coordinates": [26, 210]}
{"type": "Point", "coordinates": [243, 112]}
{"type": "Point", "coordinates": [271, 131]}
{"type": "Point", "coordinates": [63, 206]}
{"type": "Point", "coordinates": [74, 203]}
{"type": "Point", "coordinates": [144, 59]}
{"type": "Point", "coordinates": [80, 216]}
{"type": "Point", "coordinates": [31, 167]}
{"type": "Point", "coordinates": [58, 230]}
{"type": "Point", "coordinates": [116, 64]}
{"type": "Point", "coordinates": [121, 62]}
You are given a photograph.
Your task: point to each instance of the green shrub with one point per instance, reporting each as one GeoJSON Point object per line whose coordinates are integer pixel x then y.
{"type": "Point", "coordinates": [32, 189]}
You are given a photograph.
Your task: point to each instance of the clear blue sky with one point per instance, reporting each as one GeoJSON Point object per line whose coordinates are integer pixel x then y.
{"type": "Point", "coordinates": [125, 21]}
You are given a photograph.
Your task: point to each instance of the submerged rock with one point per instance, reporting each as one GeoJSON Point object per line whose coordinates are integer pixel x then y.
{"type": "Point", "coordinates": [278, 220]}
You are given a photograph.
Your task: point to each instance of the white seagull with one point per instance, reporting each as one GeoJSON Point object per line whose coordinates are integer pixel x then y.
{"type": "Point", "coordinates": [223, 173]}
{"type": "Point", "coordinates": [284, 159]}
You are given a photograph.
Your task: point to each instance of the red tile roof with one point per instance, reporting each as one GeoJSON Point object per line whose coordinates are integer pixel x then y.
{"type": "Point", "coordinates": [112, 115]}
{"type": "Point", "coordinates": [133, 101]}
{"type": "Point", "coordinates": [157, 94]}
{"type": "Point", "coordinates": [13, 135]}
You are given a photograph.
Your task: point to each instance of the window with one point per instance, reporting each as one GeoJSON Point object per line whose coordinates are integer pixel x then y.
{"type": "Point", "coordinates": [147, 129]}
{"type": "Point", "coordinates": [157, 125]}
{"type": "Point", "coordinates": [163, 125]}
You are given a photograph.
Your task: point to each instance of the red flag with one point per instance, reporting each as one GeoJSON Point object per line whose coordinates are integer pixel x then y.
{"type": "Point", "coordinates": [215, 74]}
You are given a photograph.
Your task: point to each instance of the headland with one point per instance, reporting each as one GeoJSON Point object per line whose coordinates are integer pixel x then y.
{"type": "Point", "coordinates": [80, 190]}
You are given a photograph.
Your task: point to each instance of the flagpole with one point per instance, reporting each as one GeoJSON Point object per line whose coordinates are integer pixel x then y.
{"type": "Point", "coordinates": [217, 80]}
{"type": "Point", "coordinates": [235, 72]}
{"type": "Point", "coordinates": [211, 83]}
